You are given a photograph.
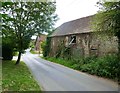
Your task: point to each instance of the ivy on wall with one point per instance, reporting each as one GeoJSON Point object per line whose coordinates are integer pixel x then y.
{"type": "Point", "coordinates": [46, 47]}
{"type": "Point", "coordinates": [63, 51]}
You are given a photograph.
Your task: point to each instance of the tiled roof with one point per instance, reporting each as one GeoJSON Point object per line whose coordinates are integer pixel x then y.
{"type": "Point", "coordinates": [81, 25]}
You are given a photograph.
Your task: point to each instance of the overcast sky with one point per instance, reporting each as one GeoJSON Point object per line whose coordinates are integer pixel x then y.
{"type": "Point", "coordinates": [68, 10]}
{"type": "Point", "coordinates": [73, 9]}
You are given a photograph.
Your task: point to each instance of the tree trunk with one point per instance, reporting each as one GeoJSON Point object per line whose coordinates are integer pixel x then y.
{"type": "Point", "coordinates": [18, 60]}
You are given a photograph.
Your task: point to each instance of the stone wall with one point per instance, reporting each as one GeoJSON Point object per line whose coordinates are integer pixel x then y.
{"type": "Point", "coordinates": [87, 44]}
{"type": "Point", "coordinates": [55, 44]}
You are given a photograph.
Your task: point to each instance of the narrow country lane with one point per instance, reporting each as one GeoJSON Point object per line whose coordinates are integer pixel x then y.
{"type": "Point", "coordinates": [55, 77]}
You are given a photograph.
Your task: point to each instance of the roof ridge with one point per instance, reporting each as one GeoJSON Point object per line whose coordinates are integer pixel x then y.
{"type": "Point", "coordinates": [81, 25]}
{"type": "Point", "coordinates": [76, 19]}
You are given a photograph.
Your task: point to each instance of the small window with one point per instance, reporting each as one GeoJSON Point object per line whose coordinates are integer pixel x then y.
{"type": "Point", "coordinates": [73, 39]}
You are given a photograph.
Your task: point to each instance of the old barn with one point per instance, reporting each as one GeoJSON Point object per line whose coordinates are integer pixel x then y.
{"type": "Point", "coordinates": [80, 38]}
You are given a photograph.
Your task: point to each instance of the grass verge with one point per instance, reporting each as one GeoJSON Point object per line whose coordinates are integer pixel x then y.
{"type": "Point", "coordinates": [17, 77]}
{"type": "Point", "coordinates": [34, 52]}
{"type": "Point", "coordinates": [107, 66]}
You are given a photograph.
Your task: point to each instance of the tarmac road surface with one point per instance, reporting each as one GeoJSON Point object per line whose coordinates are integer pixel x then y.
{"type": "Point", "coordinates": [54, 77]}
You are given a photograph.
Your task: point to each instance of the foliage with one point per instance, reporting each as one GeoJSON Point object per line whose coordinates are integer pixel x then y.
{"type": "Point", "coordinates": [60, 61]}
{"type": "Point", "coordinates": [66, 53]}
{"type": "Point", "coordinates": [33, 51]}
{"type": "Point", "coordinates": [107, 19]}
{"type": "Point", "coordinates": [8, 46]}
{"type": "Point", "coordinates": [106, 66]}
{"type": "Point", "coordinates": [8, 41]}
{"type": "Point", "coordinates": [43, 44]}
{"type": "Point", "coordinates": [15, 53]}
{"type": "Point", "coordinates": [63, 51]}
{"type": "Point", "coordinates": [17, 78]}
{"type": "Point", "coordinates": [24, 19]}
{"type": "Point", "coordinates": [46, 48]}
{"type": "Point", "coordinates": [7, 52]}
{"type": "Point", "coordinates": [32, 44]}
{"type": "Point", "coordinates": [60, 47]}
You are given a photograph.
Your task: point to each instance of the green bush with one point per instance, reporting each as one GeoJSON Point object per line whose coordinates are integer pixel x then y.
{"type": "Point", "coordinates": [7, 52]}
{"type": "Point", "coordinates": [33, 51]}
{"type": "Point", "coordinates": [75, 66]}
{"type": "Point", "coordinates": [107, 66]}
{"type": "Point", "coordinates": [43, 44]}
{"type": "Point", "coordinates": [46, 47]}
{"type": "Point", "coordinates": [15, 53]}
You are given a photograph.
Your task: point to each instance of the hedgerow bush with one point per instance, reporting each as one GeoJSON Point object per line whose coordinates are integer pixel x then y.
{"type": "Point", "coordinates": [7, 52]}
{"type": "Point", "coordinates": [107, 66]}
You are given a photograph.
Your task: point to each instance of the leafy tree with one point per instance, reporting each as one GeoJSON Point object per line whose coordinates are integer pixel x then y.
{"type": "Point", "coordinates": [7, 37]}
{"type": "Point", "coordinates": [108, 19]}
{"type": "Point", "coordinates": [24, 19]}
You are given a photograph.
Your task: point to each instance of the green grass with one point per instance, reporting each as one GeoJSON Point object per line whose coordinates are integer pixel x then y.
{"type": "Point", "coordinates": [34, 52]}
{"type": "Point", "coordinates": [68, 63]}
{"type": "Point", "coordinates": [15, 53]}
{"type": "Point", "coordinates": [17, 77]}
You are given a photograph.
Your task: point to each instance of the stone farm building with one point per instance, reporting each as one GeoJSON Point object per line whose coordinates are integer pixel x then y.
{"type": "Point", "coordinates": [78, 35]}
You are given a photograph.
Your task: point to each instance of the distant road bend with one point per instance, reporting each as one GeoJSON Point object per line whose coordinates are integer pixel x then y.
{"type": "Point", "coordinates": [54, 77]}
